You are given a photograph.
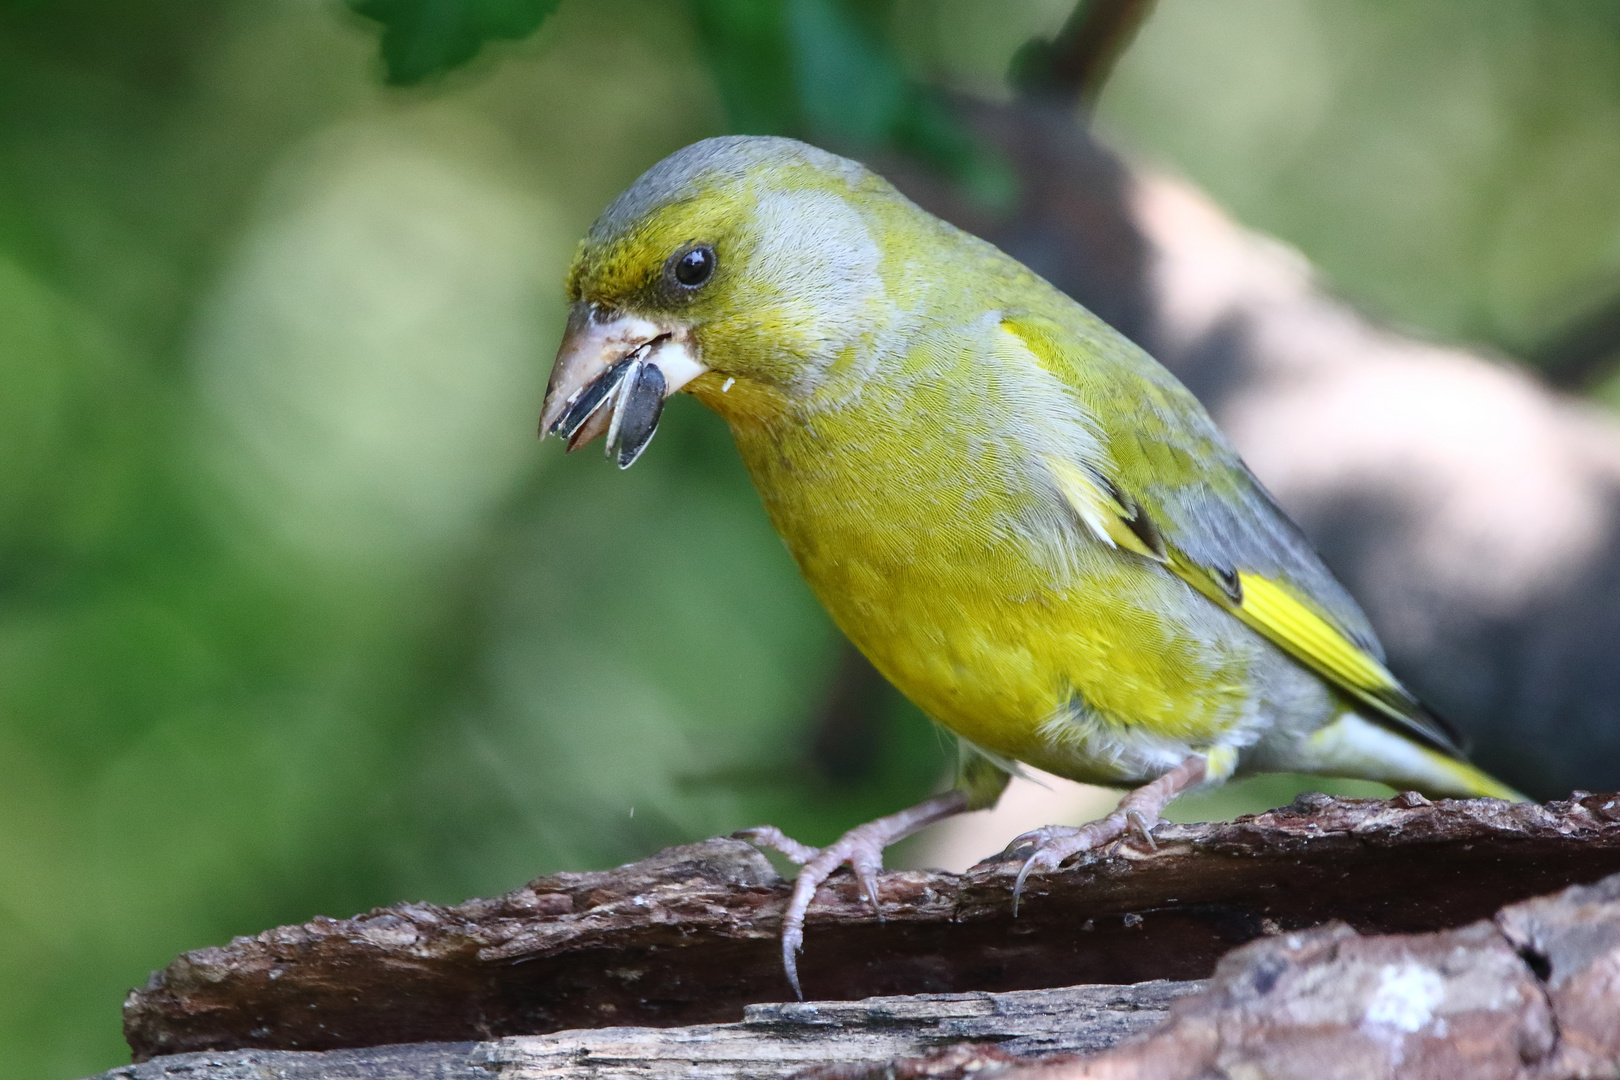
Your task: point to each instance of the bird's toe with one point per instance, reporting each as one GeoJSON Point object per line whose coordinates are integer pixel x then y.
{"type": "Point", "coordinates": [769, 836]}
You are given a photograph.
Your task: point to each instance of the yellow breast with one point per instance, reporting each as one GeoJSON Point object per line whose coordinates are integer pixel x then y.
{"type": "Point", "coordinates": [977, 597]}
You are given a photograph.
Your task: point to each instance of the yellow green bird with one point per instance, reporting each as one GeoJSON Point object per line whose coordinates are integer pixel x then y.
{"type": "Point", "coordinates": [1024, 521]}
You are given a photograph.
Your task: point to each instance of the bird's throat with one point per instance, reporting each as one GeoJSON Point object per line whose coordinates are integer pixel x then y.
{"type": "Point", "coordinates": [743, 402]}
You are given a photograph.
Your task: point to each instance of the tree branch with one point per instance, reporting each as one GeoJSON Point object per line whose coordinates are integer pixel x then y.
{"type": "Point", "coordinates": [1585, 353]}
{"type": "Point", "coordinates": [770, 1041]}
{"type": "Point", "coordinates": [1074, 66]}
{"type": "Point", "coordinates": [690, 936]}
{"type": "Point", "coordinates": [1533, 993]}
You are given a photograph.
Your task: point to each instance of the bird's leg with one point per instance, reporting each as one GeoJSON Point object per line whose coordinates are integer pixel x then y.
{"type": "Point", "coordinates": [1137, 812]}
{"type": "Point", "coordinates": [861, 847]}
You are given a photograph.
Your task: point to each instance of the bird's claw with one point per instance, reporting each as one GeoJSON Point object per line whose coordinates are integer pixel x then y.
{"type": "Point", "coordinates": [1137, 814]}
{"type": "Point", "coordinates": [1142, 828]}
{"type": "Point", "coordinates": [1050, 847]}
{"type": "Point", "coordinates": [1046, 849]}
{"type": "Point", "coordinates": [792, 942]}
{"type": "Point", "coordinates": [1040, 858]}
{"type": "Point", "coordinates": [861, 848]}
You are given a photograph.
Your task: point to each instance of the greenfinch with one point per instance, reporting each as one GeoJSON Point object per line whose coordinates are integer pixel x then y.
{"type": "Point", "coordinates": [1024, 521]}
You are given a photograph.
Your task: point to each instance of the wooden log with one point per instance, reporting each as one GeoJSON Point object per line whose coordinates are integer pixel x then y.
{"type": "Point", "coordinates": [1533, 994]}
{"type": "Point", "coordinates": [690, 935]}
{"type": "Point", "coordinates": [772, 1041]}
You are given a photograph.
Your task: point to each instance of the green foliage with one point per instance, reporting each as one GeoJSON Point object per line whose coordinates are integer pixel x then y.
{"type": "Point", "coordinates": [62, 417]}
{"type": "Point", "coordinates": [424, 38]}
{"type": "Point", "coordinates": [1468, 195]}
{"type": "Point", "coordinates": [819, 70]}
{"type": "Point", "coordinates": [849, 84]}
{"type": "Point", "coordinates": [749, 50]}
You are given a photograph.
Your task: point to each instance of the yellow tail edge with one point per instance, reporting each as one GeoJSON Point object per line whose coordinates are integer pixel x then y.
{"type": "Point", "coordinates": [1474, 782]}
{"type": "Point", "coordinates": [1353, 746]}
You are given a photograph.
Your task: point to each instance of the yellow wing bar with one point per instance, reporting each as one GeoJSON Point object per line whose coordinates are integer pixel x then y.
{"type": "Point", "coordinates": [1274, 609]}
{"type": "Point", "coordinates": [1287, 620]}
{"type": "Point", "coordinates": [1292, 623]}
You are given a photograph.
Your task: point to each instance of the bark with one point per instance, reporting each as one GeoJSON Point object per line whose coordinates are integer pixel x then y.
{"type": "Point", "coordinates": [1532, 995]}
{"type": "Point", "coordinates": [690, 936]}
{"type": "Point", "coordinates": [771, 1041]}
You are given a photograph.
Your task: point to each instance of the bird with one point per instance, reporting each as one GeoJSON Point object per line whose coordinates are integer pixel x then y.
{"type": "Point", "coordinates": [1024, 521]}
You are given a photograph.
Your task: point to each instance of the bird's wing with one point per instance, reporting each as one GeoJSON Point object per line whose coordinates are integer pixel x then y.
{"type": "Point", "coordinates": [1170, 488]}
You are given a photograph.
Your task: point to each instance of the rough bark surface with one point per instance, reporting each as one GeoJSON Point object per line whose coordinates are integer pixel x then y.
{"type": "Point", "coordinates": [1532, 995]}
{"type": "Point", "coordinates": [690, 935]}
{"type": "Point", "coordinates": [772, 1041]}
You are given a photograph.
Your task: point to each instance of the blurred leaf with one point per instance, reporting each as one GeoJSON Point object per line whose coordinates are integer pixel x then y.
{"type": "Point", "coordinates": [818, 70]}
{"type": "Point", "coordinates": [66, 435]}
{"type": "Point", "coordinates": [748, 48]}
{"type": "Point", "coordinates": [849, 84]}
{"type": "Point", "coordinates": [423, 38]}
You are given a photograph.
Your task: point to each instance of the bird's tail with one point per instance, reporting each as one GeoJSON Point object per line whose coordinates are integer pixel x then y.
{"type": "Point", "coordinates": [1469, 781]}
{"type": "Point", "coordinates": [1354, 746]}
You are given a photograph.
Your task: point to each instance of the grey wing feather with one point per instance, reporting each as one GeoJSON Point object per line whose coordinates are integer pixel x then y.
{"type": "Point", "coordinates": [1251, 532]}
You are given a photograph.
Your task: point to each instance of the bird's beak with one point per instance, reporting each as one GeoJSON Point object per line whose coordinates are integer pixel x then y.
{"type": "Point", "coordinates": [612, 374]}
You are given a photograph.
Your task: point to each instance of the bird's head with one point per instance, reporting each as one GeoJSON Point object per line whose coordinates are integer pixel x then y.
{"type": "Point", "coordinates": [741, 269]}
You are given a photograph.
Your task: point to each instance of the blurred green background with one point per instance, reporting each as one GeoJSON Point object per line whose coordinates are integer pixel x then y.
{"type": "Point", "coordinates": [296, 616]}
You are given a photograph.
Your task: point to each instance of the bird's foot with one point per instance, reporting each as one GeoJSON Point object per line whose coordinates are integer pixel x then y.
{"type": "Point", "coordinates": [1138, 812]}
{"type": "Point", "coordinates": [1049, 847]}
{"type": "Point", "coordinates": [861, 848]}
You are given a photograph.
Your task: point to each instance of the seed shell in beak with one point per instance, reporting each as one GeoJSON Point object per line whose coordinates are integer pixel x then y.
{"type": "Point", "coordinates": [636, 413]}
{"type": "Point", "coordinates": [589, 398]}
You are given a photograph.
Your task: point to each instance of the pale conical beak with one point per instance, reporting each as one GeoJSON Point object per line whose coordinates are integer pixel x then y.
{"type": "Point", "coordinates": [612, 374]}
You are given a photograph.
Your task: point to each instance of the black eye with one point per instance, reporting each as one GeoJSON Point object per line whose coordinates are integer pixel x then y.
{"type": "Point", "coordinates": [692, 268]}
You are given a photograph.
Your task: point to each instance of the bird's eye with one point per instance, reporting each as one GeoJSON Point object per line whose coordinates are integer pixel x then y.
{"type": "Point", "coordinates": [694, 266]}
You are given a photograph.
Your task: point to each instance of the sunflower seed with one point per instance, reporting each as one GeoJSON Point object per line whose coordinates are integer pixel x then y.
{"type": "Point", "coordinates": [640, 405]}
{"type": "Point", "coordinates": [593, 397]}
